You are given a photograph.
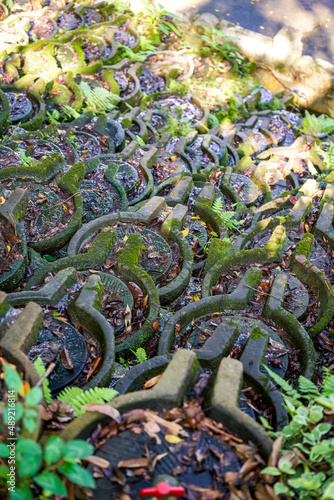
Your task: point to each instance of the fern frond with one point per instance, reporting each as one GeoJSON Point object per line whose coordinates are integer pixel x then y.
{"type": "Point", "coordinates": [217, 206]}
{"type": "Point", "coordinates": [98, 100]}
{"type": "Point", "coordinates": [69, 394]}
{"type": "Point", "coordinates": [307, 387]}
{"type": "Point", "coordinates": [79, 398]}
{"type": "Point", "coordinates": [314, 124]}
{"type": "Point", "coordinates": [283, 384]}
{"type": "Point", "coordinates": [328, 384]}
{"type": "Point", "coordinates": [70, 112]}
{"type": "Point", "coordinates": [40, 369]}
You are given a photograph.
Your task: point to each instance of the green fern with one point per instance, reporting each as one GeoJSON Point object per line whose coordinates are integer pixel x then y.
{"type": "Point", "coordinates": [327, 153]}
{"type": "Point", "coordinates": [328, 384]}
{"type": "Point", "coordinates": [70, 112]}
{"type": "Point", "coordinates": [313, 124]}
{"type": "Point", "coordinates": [307, 387]}
{"type": "Point", "coordinates": [140, 354]}
{"type": "Point", "coordinates": [78, 398]}
{"type": "Point", "coordinates": [283, 384]}
{"type": "Point", "coordinates": [40, 369]}
{"type": "Point", "coordinates": [225, 217]}
{"type": "Point", "coordinates": [98, 100]}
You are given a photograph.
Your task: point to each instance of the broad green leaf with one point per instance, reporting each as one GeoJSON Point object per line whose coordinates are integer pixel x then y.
{"type": "Point", "coordinates": [280, 489]}
{"type": "Point", "coordinates": [21, 493]}
{"type": "Point", "coordinates": [272, 471]}
{"type": "Point", "coordinates": [78, 475]}
{"type": "Point", "coordinates": [18, 413]}
{"type": "Point", "coordinates": [4, 470]}
{"type": "Point", "coordinates": [34, 397]}
{"type": "Point", "coordinates": [286, 467]}
{"type": "Point", "coordinates": [50, 482]}
{"type": "Point", "coordinates": [29, 423]}
{"type": "Point", "coordinates": [31, 457]}
{"type": "Point", "coordinates": [4, 450]}
{"type": "Point", "coordinates": [13, 380]}
{"type": "Point", "coordinates": [78, 449]}
{"type": "Point", "coordinates": [54, 450]}
{"type": "Point", "coordinates": [329, 492]}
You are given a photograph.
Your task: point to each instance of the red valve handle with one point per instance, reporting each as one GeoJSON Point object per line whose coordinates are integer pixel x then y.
{"type": "Point", "coordinates": [163, 490]}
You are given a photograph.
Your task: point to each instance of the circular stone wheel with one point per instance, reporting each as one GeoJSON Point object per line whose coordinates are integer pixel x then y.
{"type": "Point", "coordinates": [75, 344]}
{"type": "Point", "coordinates": [249, 191]}
{"type": "Point", "coordinates": [20, 107]}
{"type": "Point", "coordinates": [157, 256]}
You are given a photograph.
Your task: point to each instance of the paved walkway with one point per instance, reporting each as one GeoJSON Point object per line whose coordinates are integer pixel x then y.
{"type": "Point", "coordinates": [315, 18]}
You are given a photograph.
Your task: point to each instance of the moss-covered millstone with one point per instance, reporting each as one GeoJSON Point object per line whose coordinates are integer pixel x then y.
{"type": "Point", "coordinates": [121, 192]}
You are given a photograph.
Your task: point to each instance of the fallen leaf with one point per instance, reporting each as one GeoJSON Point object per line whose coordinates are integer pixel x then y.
{"type": "Point", "coordinates": [100, 462]}
{"type": "Point", "coordinates": [66, 359]}
{"type": "Point", "coordinates": [185, 232]}
{"type": "Point", "coordinates": [170, 438]}
{"type": "Point", "coordinates": [93, 367]}
{"type": "Point", "coordinates": [105, 409]}
{"type": "Point", "coordinates": [156, 325]}
{"type": "Point", "coordinates": [152, 381]}
{"type": "Point", "coordinates": [152, 255]}
{"type": "Point", "coordinates": [133, 463]}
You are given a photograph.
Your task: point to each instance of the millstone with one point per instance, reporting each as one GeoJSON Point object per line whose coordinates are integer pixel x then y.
{"type": "Point", "coordinates": [75, 344]}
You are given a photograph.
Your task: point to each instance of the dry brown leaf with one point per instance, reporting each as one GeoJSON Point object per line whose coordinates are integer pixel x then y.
{"type": "Point", "coordinates": [133, 463]}
{"type": "Point", "coordinates": [100, 462]}
{"type": "Point", "coordinates": [152, 381]}
{"type": "Point", "coordinates": [66, 360]}
{"type": "Point", "coordinates": [105, 409]}
{"type": "Point", "coordinates": [156, 325]}
{"type": "Point", "coordinates": [93, 367]}
{"type": "Point", "coordinates": [172, 427]}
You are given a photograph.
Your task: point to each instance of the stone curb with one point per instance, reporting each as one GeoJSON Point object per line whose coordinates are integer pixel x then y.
{"type": "Point", "coordinates": [223, 406]}
{"type": "Point", "coordinates": [274, 311]}
{"type": "Point", "coordinates": [169, 392]}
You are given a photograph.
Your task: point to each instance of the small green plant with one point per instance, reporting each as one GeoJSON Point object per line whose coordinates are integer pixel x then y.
{"type": "Point", "coordinates": [40, 368]}
{"type": "Point", "coordinates": [225, 216]}
{"type": "Point", "coordinates": [78, 398]}
{"type": "Point", "coordinates": [75, 396]}
{"type": "Point", "coordinates": [54, 117]}
{"type": "Point", "coordinates": [314, 125]}
{"type": "Point", "coordinates": [27, 161]}
{"type": "Point", "coordinates": [140, 354]}
{"type": "Point", "coordinates": [305, 469]}
{"type": "Point", "coordinates": [156, 20]}
{"type": "Point", "coordinates": [36, 466]}
{"type": "Point", "coordinates": [327, 153]}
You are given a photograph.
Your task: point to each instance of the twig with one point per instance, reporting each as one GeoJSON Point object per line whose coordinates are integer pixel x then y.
{"type": "Point", "coordinates": [13, 223]}
{"type": "Point", "coordinates": [78, 192]}
{"type": "Point", "coordinates": [270, 295]}
{"type": "Point", "coordinates": [329, 288]}
{"type": "Point", "coordinates": [50, 369]}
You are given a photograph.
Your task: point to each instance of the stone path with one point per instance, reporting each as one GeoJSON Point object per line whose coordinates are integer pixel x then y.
{"type": "Point", "coordinates": [314, 18]}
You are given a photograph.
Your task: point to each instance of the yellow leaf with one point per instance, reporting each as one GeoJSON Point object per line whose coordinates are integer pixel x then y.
{"type": "Point", "coordinates": [8, 248]}
{"type": "Point", "coordinates": [2, 200]}
{"type": "Point", "coordinates": [196, 298]}
{"type": "Point", "coordinates": [195, 218]}
{"type": "Point", "coordinates": [125, 238]}
{"type": "Point", "coordinates": [185, 232]}
{"type": "Point", "coordinates": [65, 208]}
{"type": "Point", "coordinates": [172, 439]}
{"type": "Point", "coordinates": [25, 388]}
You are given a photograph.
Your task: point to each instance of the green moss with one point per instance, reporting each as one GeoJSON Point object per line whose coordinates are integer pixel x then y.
{"type": "Point", "coordinates": [218, 250]}
{"type": "Point", "coordinates": [73, 178]}
{"type": "Point", "coordinates": [132, 251]}
{"type": "Point", "coordinates": [95, 284]}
